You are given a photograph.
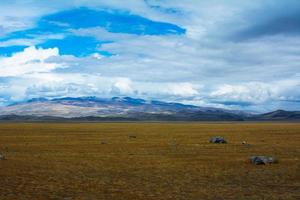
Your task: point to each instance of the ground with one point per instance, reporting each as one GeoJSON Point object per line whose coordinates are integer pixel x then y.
{"type": "Point", "coordinates": [163, 161]}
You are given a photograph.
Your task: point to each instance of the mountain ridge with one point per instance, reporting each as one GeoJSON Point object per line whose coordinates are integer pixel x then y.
{"type": "Point", "coordinates": [92, 108]}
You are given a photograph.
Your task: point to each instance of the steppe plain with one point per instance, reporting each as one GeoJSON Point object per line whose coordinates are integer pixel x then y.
{"type": "Point", "coordinates": [149, 161]}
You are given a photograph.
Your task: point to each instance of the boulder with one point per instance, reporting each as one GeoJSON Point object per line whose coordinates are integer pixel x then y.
{"type": "Point", "coordinates": [262, 160]}
{"type": "Point", "coordinates": [2, 157]}
{"type": "Point", "coordinates": [217, 140]}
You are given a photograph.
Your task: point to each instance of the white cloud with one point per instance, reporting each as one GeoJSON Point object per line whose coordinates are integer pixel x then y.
{"type": "Point", "coordinates": [102, 34]}
{"type": "Point", "coordinates": [31, 60]}
{"type": "Point", "coordinates": [122, 86]}
{"type": "Point", "coordinates": [182, 89]}
{"type": "Point", "coordinates": [249, 92]}
{"type": "Point", "coordinates": [38, 39]}
{"type": "Point", "coordinates": [258, 92]}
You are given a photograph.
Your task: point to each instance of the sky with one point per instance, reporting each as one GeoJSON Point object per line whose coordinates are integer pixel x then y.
{"type": "Point", "coordinates": [232, 54]}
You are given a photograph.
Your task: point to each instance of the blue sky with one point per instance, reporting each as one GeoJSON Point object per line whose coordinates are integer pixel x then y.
{"type": "Point", "coordinates": [221, 53]}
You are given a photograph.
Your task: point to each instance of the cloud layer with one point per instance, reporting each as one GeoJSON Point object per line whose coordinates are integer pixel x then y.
{"type": "Point", "coordinates": [228, 54]}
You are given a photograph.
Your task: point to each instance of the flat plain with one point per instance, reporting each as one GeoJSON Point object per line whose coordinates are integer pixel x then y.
{"type": "Point", "coordinates": [150, 161]}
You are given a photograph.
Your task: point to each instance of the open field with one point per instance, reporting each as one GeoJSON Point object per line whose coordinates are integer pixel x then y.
{"type": "Point", "coordinates": [164, 161]}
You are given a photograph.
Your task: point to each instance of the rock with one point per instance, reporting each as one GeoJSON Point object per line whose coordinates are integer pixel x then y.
{"type": "Point", "coordinates": [262, 160]}
{"type": "Point", "coordinates": [132, 136]}
{"type": "Point", "coordinates": [2, 157]}
{"type": "Point", "coordinates": [217, 140]}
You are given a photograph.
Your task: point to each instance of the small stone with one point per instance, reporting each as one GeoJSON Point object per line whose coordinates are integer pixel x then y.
{"type": "Point", "coordinates": [217, 140]}
{"type": "Point", "coordinates": [2, 157]}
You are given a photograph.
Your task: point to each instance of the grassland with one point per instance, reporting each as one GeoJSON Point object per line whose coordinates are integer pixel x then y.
{"type": "Point", "coordinates": [164, 161]}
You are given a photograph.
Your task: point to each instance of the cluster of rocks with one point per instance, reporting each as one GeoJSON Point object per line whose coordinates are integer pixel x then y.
{"type": "Point", "coordinates": [256, 160]}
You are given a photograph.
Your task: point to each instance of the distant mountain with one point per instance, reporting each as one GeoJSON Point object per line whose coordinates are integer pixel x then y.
{"type": "Point", "coordinates": [124, 109]}
{"type": "Point", "coordinates": [279, 115]}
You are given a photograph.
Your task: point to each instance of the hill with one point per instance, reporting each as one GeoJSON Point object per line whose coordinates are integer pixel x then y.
{"type": "Point", "coordinates": [126, 109]}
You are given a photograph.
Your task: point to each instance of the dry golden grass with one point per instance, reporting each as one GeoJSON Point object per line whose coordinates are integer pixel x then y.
{"type": "Point", "coordinates": [164, 161]}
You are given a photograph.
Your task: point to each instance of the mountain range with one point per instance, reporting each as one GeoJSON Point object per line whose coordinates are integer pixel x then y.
{"type": "Point", "coordinates": [126, 109]}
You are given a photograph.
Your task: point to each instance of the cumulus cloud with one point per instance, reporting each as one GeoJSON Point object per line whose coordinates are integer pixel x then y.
{"type": "Point", "coordinates": [249, 93]}
{"type": "Point", "coordinates": [182, 89]}
{"type": "Point", "coordinates": [265, 96]}
{"type": "Point", "coordinates": [122, 86]}
{"type": "Point", "coordinates": [56, 85]}
{"type": "Point", "coordinates": [31, 60]}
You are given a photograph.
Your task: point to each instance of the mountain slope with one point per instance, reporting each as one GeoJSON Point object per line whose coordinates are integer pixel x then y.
{"type": "Point", "coordinates": [126, 109]}
{"type": "Point", "coordinates": [92, 108]}
{"type": "Point", "coordinates": [279, 115]}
